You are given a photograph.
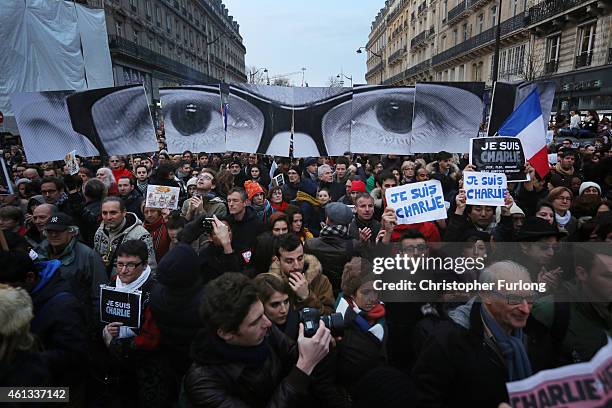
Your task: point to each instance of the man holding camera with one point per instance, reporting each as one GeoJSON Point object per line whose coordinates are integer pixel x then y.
{"type": "Point", "coordinates": [241, 359]}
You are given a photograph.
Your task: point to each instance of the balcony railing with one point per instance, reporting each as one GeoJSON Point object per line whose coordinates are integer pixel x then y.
{"type": "Point", "coordinates": [161, 62]}
{"type": "Point", "coordinates": [551, 67]}
{"type": "Point", "coordinates": [394, 79]}
{"type": "Point", "coordinates": [418, 40]}
{"type": "Point", "coordinates": [476, 4]}
{"type": "Point", "coordinates": [431, 32]}
{"type": "Point", "coordinates": [397, 55]}
{"type": "Point", "coordinates": [509, 26]}
{"type": "Point", "coordinates": [418, 68]}
{"type": "Point", "coordinates": [457, 12]}
{"type": "Point", "coordinates": [584, 60]}
{"type": "Point", "coordinates": [550, 8]}
{"type": "Point", "coordinates": [374, 69]}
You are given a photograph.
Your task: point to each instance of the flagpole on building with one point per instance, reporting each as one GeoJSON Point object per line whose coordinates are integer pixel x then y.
{"type": "Point", "coordinates": [497, 40]}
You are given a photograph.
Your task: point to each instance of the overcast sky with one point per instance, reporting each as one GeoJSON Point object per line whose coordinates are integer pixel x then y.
{"type": "Point", "coordinates": [321, 36]}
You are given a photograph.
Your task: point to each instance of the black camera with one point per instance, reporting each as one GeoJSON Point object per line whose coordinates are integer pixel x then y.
{"type": "Point", "coordinates": [310, 317]}
{"type": "Point", "coordinates": [207, 225]}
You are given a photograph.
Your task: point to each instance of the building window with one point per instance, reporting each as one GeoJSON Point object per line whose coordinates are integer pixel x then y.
{"type": "Point", "coordinates": [512, 61]}
{"type": "Point", "coordinates": [455, 37]}
{"type": "Point", "coordinates": [136, 37]}
{"type": "Point", "coordinates": [452, 74]}
{"type": "Point", "coordinates": [586, 43]}
{"type": "Point", "coordinates": [461, 76]}
{"type": "Point", "coordinates": [444, 10]}
{"type": "Point", "coordinates": [465, 31]}
{"type": "Point", "coordinates": [168, 23]}
{"type": "Point", "coordinates": [134, 5]}
{"type": "Point", "coordinates": [480, 23]}
{"type": "Point", "coordinates": [148, 8]}
{"type": "Point", "coordinates": [119, 28]}
{"type": "Point", "coordinates": [493, 16]}
{"type": "Point", "coordinates": [552, 48]}
{"type": "Point", "coordinates": [514, 7]}
{"type": "Point", "coordinates": [158, 17]}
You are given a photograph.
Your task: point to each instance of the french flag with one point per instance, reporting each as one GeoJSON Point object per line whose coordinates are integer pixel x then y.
{"type": "Point", "coordinates": [527, 124]}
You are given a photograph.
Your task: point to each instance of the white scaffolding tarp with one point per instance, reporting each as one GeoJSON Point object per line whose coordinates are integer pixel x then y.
{"type": "Point", "coordinates": [50, 45]}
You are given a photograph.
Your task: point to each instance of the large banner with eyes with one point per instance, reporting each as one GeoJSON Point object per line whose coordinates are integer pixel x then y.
{"type": "Point", "coordinates": [272, 120]}
{"type": "Point", "coordinates": [322, 121]}
{"type": "Point", "coordinates": [99, 122]}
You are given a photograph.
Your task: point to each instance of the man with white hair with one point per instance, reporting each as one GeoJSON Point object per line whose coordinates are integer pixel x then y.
{"type": "Point", "coordinates": [469, 361]}
{"type": "Point", "coordinates": [326, 180]}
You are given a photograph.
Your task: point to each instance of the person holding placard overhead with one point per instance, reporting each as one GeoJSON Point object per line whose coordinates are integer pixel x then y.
{"type": "Point", "coordinates": [133, 350]}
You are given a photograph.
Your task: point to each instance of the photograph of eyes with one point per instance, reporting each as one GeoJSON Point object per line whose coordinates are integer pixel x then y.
{"type": "Point", "coordinates": [104, 121]}
{"type": "Point", "coordinates": [45, 127]}
{"type": "Point", "coordinates": [192, 119]}
{"type": "Point", "coordinates": [380, 120]}
{"type": "Point", "coordinates": [446, 116]}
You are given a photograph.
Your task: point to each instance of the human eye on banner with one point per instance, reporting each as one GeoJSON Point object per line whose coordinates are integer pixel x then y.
{"type": "Point", "coordinates": [100, 122]}
{"type": "Point", "coordinates": [272, 120]}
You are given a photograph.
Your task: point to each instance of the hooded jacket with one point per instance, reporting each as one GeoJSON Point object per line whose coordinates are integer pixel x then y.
{"type": "Point", "coordinates": [321, 295]}
{"type": "Point", "coordinates": [83, 268]}
{"type": "Point", "coordinates": [214, 381]}
{"type": "Point", "coordinates": [59, 323]}
{"type": "Point", "coordinates": [133, 229]}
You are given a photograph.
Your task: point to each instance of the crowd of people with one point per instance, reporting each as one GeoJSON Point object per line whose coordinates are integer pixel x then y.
{"type": "Point", "coordinates": [230, 280]}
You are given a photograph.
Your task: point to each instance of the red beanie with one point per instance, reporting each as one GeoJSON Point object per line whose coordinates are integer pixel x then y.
{"type": "Point", "coordinates": [252, 188]}
{"type": "Point", "coordinates": [359, 186]}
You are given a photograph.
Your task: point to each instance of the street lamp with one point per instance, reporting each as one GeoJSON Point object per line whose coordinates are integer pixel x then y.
{"type": "Point", "coordinates": [252, 74]}
{"type": "Point", "coordinates": [340, 75]}
{"type": "Point", "coordinates": [376, 55]}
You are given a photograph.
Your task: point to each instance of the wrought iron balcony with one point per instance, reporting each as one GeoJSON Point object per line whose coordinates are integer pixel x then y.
{"type": "Point", "coordinates": [584, 60]}
{"type": "Point", "coordinates": [418, 40]}
{"type": "Point", "coordinates": [374, 69]}
{"type": "Point", "coordinates": [122, 46]}
{"type": "Point", "coordinates": [551, 67]}
{"type": "Point", "coordinates": [550, 8]}
{"type": "Point", "coordinates": [486, 37]}
{"type": "Point", "coordinates": [394, 79]}
{"type": "Point", "coordinates": [457, 13]}
{"type": "Point", "coordinates": [476, 4]}
{"type": "Point", "coordinates": [396, 56]}
{"type": "Point", "coordinates": [418, 68]}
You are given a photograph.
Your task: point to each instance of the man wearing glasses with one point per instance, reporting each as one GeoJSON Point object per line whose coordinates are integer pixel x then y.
{"type": "Point", "coordinates": [204, 199]}
{"type": "Point", "coordinates": [469, 361]}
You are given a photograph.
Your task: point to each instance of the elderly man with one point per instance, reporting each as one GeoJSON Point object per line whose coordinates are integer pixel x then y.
{"type": "Point", "coordinates": [326, 180]}
{"type": "Point", "coordinates": [81, 266]}
{"type": "Point", "coordinates": [40, 218]}
{"type": "Point", "coordinates": [468, 362]}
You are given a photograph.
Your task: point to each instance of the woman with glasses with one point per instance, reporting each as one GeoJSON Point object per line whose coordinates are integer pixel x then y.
{"type": "Point", "coordinates": [275, 197]}
{"type": "Point", "coordinates": [204, 198]}
{"type": "Point", "coordinates": [408, 172]}
{"type": "Point", "coordinates": [561, 198]}
{"type": "Point", "coordinates": [136, 382]}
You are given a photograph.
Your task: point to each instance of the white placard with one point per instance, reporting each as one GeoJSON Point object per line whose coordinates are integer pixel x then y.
{"type": "Point", "coordinates": [162, 197]}
{"type": "Point", "coordinates": [484, 188]}
{"type": "Point", "coordinates": [71, 163]}
{"type": "Point", "coordinates": [417, 202]}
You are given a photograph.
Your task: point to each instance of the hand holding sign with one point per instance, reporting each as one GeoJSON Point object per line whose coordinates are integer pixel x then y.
{"type": "Point", "coordinates": [484, 188]}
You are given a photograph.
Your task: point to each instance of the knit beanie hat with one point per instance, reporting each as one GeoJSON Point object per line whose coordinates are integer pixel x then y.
{"type": "Point", "coordinates": [179, 268]}
{"type": "Point", "coordinates": [339, 213]}
{"type": "Point", "coordinates": [252, 188]}
{"type": "Point", "coordinates": [588, 184]}
{"type": "Point", "coordinates": [192, 181]}
{"type": "Point", "coordinates": [354, 275]}
{"type": "Point", "coordinates": [359, 186]}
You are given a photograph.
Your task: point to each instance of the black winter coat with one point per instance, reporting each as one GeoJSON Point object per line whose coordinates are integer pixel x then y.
{"type": "Point", "coordinates": [59, 322]}
{"type": "Point", "coordinates": [244, 233]}
{"type": "Point", "coordinates": [333, 252]}
{"type": "Point", "coordinates": [212, 381]}
{"type": "Point", "coordinates": [460, 367]}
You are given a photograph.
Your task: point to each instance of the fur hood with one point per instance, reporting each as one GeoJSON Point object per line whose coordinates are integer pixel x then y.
{"type": "Point", "coordinates": [311, 263]}
{"type": "Point", "coordinates": [433, 167]}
